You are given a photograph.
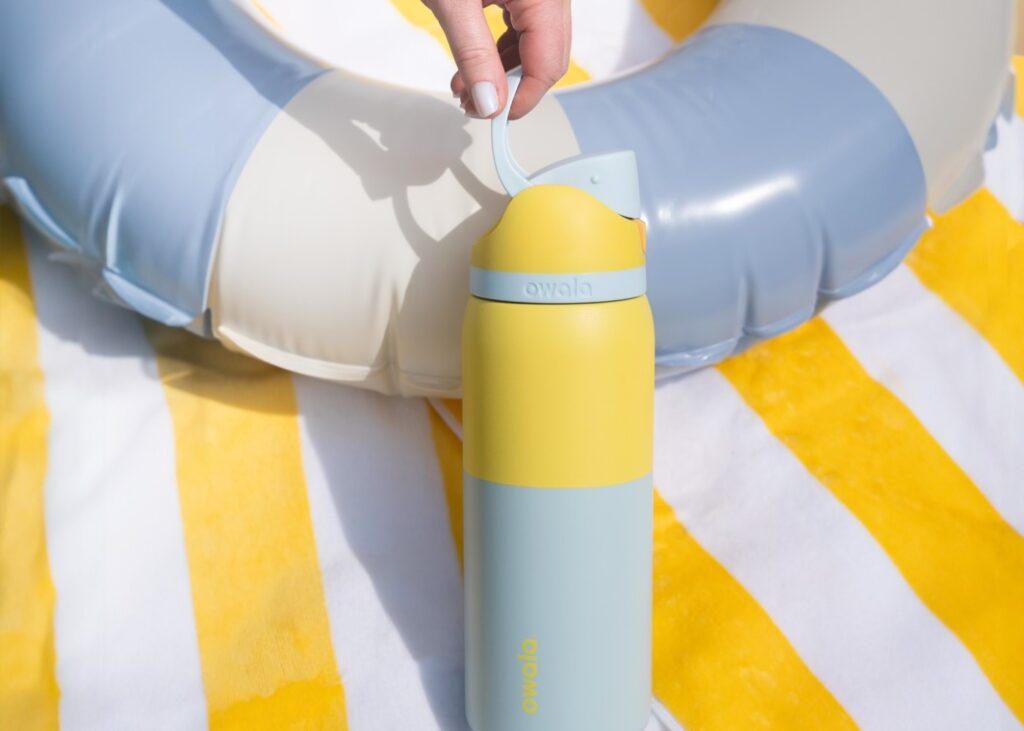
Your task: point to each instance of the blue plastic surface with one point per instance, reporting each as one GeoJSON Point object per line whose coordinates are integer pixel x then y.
{"type": "Point", "coordinates": [773, 174]}
{"type": "Point", "coordinates": [123, 126]}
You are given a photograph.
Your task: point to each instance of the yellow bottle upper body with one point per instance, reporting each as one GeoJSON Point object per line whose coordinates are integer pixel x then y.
{"type": "Point", "coordinates": [558, 346]}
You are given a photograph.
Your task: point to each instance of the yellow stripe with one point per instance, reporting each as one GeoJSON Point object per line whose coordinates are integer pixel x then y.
{"type": "Point", "coordinates": [973, 258]}
{"type": "Point", "coordinates": [719, 663]}
{"type": "Point", "coordinates": [1018, 67]}
{"type": "Point", "coordinates": [28, 685]}
{"type": "Point", "coordinates": [449, 461]}
{"type": "Point", "coordinates": [679, 18]}
{"type": "Point", "coordinates": [261, 619]}
{"type": "Point", "coordinates": [418, 15]}
{"type": "Point", "coordinates": [454, 406]}
{"type": "Point", "coordinates": [963, 560]}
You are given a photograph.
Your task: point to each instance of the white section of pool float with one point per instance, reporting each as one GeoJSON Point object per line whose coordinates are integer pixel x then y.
{"type": "Point", "coordinates": [345, 245]}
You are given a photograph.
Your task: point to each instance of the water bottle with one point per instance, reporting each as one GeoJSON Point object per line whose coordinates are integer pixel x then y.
{"type": "Point", "coordinates": [558, 387]}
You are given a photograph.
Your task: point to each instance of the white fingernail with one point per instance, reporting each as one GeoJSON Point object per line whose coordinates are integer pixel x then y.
{"type": "Point", "coordinates": [485, 98]}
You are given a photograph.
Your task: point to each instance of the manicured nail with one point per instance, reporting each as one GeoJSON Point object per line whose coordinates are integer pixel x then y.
{"type": "Point", "coordinates": [485, 98]}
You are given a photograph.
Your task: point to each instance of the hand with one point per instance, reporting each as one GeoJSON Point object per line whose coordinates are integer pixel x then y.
{"type": "Point", "coordinates": [538, 37]}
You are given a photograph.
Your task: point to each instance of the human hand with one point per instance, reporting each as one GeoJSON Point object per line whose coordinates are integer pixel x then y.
{"type": "Point", "coordinates": [538, 37]}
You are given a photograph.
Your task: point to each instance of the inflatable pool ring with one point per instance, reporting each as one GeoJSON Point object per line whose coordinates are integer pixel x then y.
{"type": "Point", "coordinates": [210, 176]}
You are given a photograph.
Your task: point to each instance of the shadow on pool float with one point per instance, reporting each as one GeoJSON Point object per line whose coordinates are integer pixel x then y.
{"type": "Point", "coordinates": [378, 193]}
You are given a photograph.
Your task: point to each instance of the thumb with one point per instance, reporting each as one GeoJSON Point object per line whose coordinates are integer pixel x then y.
{"type": "Point", "coordinates": [480, 69]}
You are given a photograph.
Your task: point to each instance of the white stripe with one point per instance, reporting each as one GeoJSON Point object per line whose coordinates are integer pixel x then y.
{"type": "Point", "coordinates": [127, 655]}
{"type": "Point", "coordinates": [612, 36]}
{"type": "Point", "coordinates": [662, 718]}
{"type": "Point", "coordinates": [954, 382]}
{"type": "Point", "coordinates": [1003, 166]}
{"type": "Point", "coordinates": [391, 579]}
{"type": "Point", "coordinates": [368, 38]}
{"type": "Point", "coordinates": [812, 566]}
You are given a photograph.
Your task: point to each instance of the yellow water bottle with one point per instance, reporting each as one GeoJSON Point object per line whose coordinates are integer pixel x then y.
{"type": "Point", "coordinates": [558, 381]}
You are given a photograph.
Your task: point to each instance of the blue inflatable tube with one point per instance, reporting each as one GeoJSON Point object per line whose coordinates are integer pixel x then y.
{"type": "Point", "coordinates": [210, 176]}
{"type": "Point", "coordinates": [764, 185]}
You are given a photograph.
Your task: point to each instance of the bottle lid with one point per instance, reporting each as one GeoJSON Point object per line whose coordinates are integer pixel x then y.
{"type": "Point", "coordinates": [571, 233]}
{"type": "Point", "coordinates": [611, 177]}
{"type": "Point", "coordinates": [557, 244]}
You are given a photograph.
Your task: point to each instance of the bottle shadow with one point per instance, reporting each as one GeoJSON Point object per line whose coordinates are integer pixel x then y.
{"type": "Point", "coordinates": [413, 150]}
{"type": "Point", "coordinates": [395, 522]}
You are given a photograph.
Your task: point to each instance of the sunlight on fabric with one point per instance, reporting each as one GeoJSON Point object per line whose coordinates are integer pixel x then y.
{"type": "Point", "coordinates": [963, 560]}
{"type": "Point", "coordinates": [720, 662]}
{"type": "Point", "coordinates": [29, 697]}
{"type": "Point", "coordinates": [973, 258]}
{"type": "Point", "coordinates": [261, 619]}
{"type": "Point", "coordinates": [911, 342]}
{"type": "Point", "coordinates": [812, 566]}
{"type": "Point", "coordinates": [112, 516]}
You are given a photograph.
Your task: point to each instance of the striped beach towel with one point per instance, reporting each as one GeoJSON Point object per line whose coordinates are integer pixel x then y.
{"type": "Point", "coordinates": [190, 538]}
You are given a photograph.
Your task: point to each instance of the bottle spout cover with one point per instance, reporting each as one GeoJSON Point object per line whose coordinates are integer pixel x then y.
{"type": "Point", "coordinates": [611, 177]}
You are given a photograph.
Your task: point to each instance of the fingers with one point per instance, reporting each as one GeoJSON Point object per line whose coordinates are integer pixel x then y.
{"type": "Point", "coordinates": [543, 29]}
{"type": "Point", "coordinates": [481, 73]}
{"type": "Point", "coordinates": [538, 38]}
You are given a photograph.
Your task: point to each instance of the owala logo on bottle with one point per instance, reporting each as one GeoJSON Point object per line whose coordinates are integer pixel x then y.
{"type": "Point", "coordinates": [565, 289]}
{"type": "Point", "coordinates": [528, 671]}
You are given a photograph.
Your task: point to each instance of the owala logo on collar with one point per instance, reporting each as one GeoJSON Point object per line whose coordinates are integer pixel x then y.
{"type": "Point", "coordinates": [574, 288]}
{"type": "Point", "coordinates": [528, 670]}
